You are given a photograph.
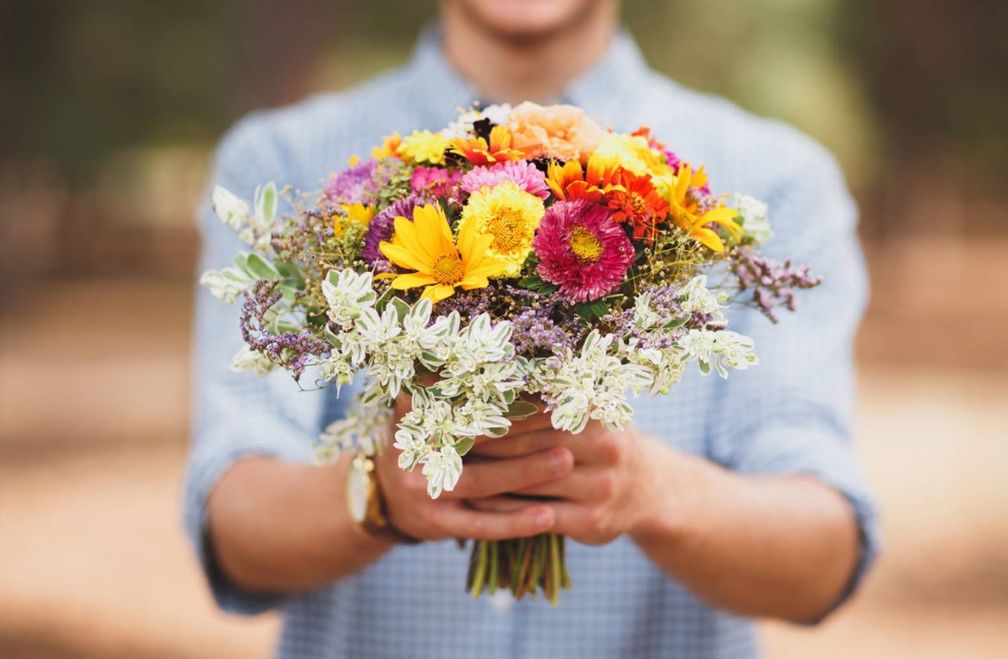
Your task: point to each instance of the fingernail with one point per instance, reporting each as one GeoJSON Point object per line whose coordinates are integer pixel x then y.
{"type": "Point", "coordinates": [543, 518]}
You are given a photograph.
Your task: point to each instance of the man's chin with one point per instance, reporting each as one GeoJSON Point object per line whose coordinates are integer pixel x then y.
{"type": "Point", "coordinates": [509, 24]}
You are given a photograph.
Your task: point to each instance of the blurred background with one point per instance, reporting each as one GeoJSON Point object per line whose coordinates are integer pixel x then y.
{"type": "Point", "coordinates": [109, 110]}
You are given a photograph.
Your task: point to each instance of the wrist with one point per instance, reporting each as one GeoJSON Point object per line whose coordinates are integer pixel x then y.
{"type": "Point", "coordinates": [669, 497]}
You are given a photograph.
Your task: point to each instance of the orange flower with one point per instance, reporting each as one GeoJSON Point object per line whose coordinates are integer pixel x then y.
{"type": "Point", "coordinates": [478, 152]}
{"type": "Point", "coordinates": [688, 215]}
{"type": "Point", "coordinates": [554, 131]}
{"type": "Point", "coordinates": [389, 148]}
{"type": "Point", "coordinates": [569, 181]}
{"type": "Point", "coordinates": [636, 202]}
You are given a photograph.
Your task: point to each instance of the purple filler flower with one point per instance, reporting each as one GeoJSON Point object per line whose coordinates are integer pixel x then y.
{"type": "Point", "coordinates": [522, 172]}
{"type": "Point", "coordinates": [355, 185]}
{"type": "Point", "coordinates": [383, 224]}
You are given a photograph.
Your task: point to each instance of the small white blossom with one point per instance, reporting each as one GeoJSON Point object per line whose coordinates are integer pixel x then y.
{"type": "Point", "coordinates": [442, 469]}
{"type": "Point", "coordinates": [695, 297]}
{"type": "Point", "coordinates": [412, 449]}
{"type": "Point", "coordinates": [348, 294]}
{"type": "Point", "coordinates": [755, 220]}
{"type": "Point", "coordinates": [720, 350]}
{"type": "Point", "coordinates": [251, 361]}
{"type": "Point", "coordinates": [253, 228]}
{"type": "Point", "coordinates": [463, 126]}
{"type": "Point", "coordinates": [645, 315]}
{"type": "Point", "coordinates": [365, 429]}
{"type": "Point", "coordinates": [233, 211]}
{"type": "Point", "coordinates": [226, 284]}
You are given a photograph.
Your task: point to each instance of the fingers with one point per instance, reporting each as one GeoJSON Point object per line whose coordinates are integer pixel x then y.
{"type": "Point", "coordinates": [581, 484]}
{"type": "Point", "coordinates": [492, 477]}
{"type": "Point", "coordinates": [500, 504]}
{"type": "Point", "coordinates": [515, 444]}
{"type": "Point", "coordinates": [538, 421]}
{"type": "Point", "coordinates": [461, 522]}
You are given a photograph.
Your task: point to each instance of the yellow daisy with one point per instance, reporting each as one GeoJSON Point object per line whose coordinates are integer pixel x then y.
{"type": "Point", "coordinates": [510, 216]}
{"type": "Point", "coordinates": [633, 153]}
{"type": "Point", "coordinates": [424, 146]}
{"type": "Point", "coordinates": [438, 263]}
{"type": "Point", "coordinates": [688, 216]}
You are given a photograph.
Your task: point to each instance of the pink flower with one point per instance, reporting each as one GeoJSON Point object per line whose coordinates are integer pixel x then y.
{"type": "Point", "coordinates": [582, 250]}
{"type": "Point", "coordinates": [523, 173]}
{"type": "Point", "coordinates": [434, 181]}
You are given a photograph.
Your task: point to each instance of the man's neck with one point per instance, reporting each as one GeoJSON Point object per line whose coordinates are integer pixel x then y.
{"type": "Point", "coordinates": [502, 69]}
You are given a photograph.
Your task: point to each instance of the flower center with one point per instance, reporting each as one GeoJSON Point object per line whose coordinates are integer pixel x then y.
{"type": "Point", "coordinates": [507, 227]}
{"type": "Point", "coordinates": [638, 204]}
{"type": "Point", "coordinates": [584, 244]}
{"type": "Point", "coordinates": [448, 269]}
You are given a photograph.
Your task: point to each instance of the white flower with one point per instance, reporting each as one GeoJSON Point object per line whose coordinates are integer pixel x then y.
{"type": "Point", "coordinates": [253, 228]}
{"type": "Point", "coordinates": [412, 449]}
{"type": "Point", "coordinates": [366, 428]}
{"type": "Point", "coordinates": [695, 297]}
{"type": "Point", "coordinates": [233, 211]}
{"type": "Point", "coordinates": [226, 284]}
{"type": "Point", "coordinates": [463, 126]}
{"type": "Point", "coordinates": [252, 361]}
{"type": "Point", "coordinates": [442, 469]}
{"type": "Point", "coordinates": [721, 350]}
{"type": "Point", "coordinates": [645, 316]}
{"type": "Point", "coordinates": [348, 294]}
{"type": "Point", "coordinates": [755, 221]}
{"type": "Point", "coordinates": [591, 385]}
{"type": "Point", "coordinates": [337, 368]}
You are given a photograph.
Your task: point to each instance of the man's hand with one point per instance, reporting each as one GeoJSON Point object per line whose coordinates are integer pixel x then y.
{"type": "Point", "coordinates": [414, 513]}
{"type": "Point", "coordinates": [610, 491]}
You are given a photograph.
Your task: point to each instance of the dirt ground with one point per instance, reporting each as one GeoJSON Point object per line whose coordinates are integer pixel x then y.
{"type": "Point", "coordinates": [93, 423]}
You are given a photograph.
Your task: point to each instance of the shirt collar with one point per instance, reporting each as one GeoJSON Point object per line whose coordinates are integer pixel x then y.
{"type": "Point", "coordinates": [602, 90]}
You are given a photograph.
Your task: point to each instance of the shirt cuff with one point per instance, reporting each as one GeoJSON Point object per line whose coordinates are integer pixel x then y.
{"type": "Point", "coordinates": [814, 450]}
{"type": "Point", "coordinates": [207, 464]}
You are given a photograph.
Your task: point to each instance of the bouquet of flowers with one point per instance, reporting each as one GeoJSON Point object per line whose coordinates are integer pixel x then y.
{"type": "Point", "coordinates": [522, 260]}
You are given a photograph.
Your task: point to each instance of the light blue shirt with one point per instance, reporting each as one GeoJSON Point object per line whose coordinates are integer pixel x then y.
{"type": "Point", "coordinates": [790, 415]}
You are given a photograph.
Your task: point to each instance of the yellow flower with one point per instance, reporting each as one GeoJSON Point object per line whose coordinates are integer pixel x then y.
{"type": "Point", "coordinates": [687, 215]}
{"type": "Point", "coordinates": [632, 152]}
{"type": "Point", "coordinates": [425, 246]}
{"type": "Point", "coordinates": [510, 216]}
{"type": "Point", "coordinates": [424, 146]}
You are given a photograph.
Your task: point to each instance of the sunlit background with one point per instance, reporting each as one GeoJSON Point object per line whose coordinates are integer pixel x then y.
{"type": "Point", "coordinates": [109, 109]}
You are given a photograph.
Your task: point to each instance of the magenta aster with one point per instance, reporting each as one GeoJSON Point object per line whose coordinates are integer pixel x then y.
{"type": "Point", "coordinates": [582, 250]}
{"type": "Point", "coordinates": [434, 181]}
{"type": "Point", "coordinates": [522, 172]}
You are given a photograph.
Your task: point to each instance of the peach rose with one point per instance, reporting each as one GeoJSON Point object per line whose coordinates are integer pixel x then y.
{"type": "Point", "coordinates": [554, 131]}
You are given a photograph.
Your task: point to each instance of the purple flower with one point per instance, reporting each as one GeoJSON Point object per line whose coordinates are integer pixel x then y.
{"type": "Point", "coordinates": [773, 282]}
{"type": "Point", "coordinates": [293, 350]}
{"type": "Point", "coordinates": [383, 224]}
{"type": "Point", "coordinates": [355, 185]}
{"type": "Point", "coordinates": [522, 172]}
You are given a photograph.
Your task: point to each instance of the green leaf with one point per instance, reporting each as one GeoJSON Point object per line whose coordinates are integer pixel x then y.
{"type": "Point", "coordinates": [463, 445]}
{"type": "Point", "coordinates": [383, 300]}
{"type": "Point", "coordinates": [401, 307]}
{"type": "Point", "coordinates": [590, 311]}
{"type": "Point", "coordinates": [496, 432]}
{"type": "Point", "coordinates": [266, 203]}
{"type": "Point", "coordinates": [537, 284]}
{"type": "Point", "coordinates": [521, 409]}
{"type": "Point", "coordinates": [260, 267]}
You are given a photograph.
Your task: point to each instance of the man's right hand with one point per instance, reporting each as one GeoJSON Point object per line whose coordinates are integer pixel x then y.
{"type": "Point", "coordinates": [414, 513]}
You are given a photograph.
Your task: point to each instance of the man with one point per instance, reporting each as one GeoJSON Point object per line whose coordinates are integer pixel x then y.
{"type": "Point", "coordinates": [725, 500]}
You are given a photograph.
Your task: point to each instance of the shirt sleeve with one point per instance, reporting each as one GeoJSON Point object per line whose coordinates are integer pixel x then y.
{"type": "Point", "coordinates": [236, 414]}
{"type": "Point", "coordinates": [793, 413]}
